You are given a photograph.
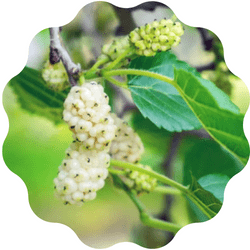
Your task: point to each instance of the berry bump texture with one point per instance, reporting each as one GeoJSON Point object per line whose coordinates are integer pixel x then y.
{"type": "Point", "coordinates": [81, 174]}
{"type": "Point", "coordinates": [114, 49]}
{"type": "Point", "coordinates": [87, 113]}
{"type": "Point", "coordinates": [140, 182]}
{"type": "Point", "coordinates": [156, 37]}
{"type": "Point", "coordinates": [127, 146]}
{"type": "Point", "coordinates": [84, 170]}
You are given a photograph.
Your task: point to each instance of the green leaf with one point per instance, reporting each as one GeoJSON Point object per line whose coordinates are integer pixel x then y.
{"type": "Point", "coordinates": [211, 204]}
{"type": "Point", "coordinates": [158, 100]}
{"type": "Point", "coordinates": [161, 102]}
{"type": "Point", "coordinates": [216, 113]}
{"type": "Point", "coordinates": [210, 105]}
{"type": "Point", "coordinates": [35, 97]}
{"type": "Point", "coordinates": [215, 184]}
{"type": "Point", "coordinates": [208, 190]}
{"type": "Point", "coordinates": [206, 157]}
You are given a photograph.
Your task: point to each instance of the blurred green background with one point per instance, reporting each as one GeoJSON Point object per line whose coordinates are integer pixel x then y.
{"type": "Point", "coordinates": [35, 146]}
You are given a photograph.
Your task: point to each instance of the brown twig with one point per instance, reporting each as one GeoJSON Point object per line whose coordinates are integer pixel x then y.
{"type": "Point", "coordinates": [58, 52]}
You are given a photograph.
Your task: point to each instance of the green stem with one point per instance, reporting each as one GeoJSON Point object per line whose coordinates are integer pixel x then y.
{"type": "Point", "coordinates": [116, 72]}
{"type": "Point", "coordinates": [159, 224]}
{"type": "Point", "coordinates": [139, 168]}
{"type": "Point", "coordinates": [94, 68]}
{"type": "Point", "coordinates": [201, 205]}
{"type": "Point", "coordinates": [208, 212]}
{"type": "Point", "coordinates": [116, 82]}
{"type": "Point", "coordinates": [144, 216]}
{"type": "Point", "coordinates": [118, 59]}
{"type": "Point", "coordinates": [167, 181]}
{"type": "Point", "coordinates": [116, 171]}
{"type": "Point", "coordinates": [167, 190]}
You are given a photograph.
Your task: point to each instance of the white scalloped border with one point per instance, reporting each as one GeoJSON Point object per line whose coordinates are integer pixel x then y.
{"type": "Point", "coordinates": [21, 227]}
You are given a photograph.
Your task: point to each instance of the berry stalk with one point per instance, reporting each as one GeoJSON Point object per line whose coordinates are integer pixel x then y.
{"type": "Point", "coordinates": [165, 180]}
{"type": "Point", "coordinates": [94, 68]}
{"type": "Point", "coordinates": [145, 218]}
{"type": "Point", "coordinates": [167, 190]}
{"type": "Point", "coordinates": [119, 58]}
{"type": "Point", "coordinates": [117, 83]}
{"type": "Point", "coordinates": [159, 177]}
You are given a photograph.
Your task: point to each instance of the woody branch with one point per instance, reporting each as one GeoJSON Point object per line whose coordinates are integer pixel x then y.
{"type": "Point", "coordinates": [58, 52]}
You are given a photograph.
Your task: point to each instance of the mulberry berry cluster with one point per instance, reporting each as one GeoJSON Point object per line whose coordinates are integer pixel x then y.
{"type": "Point", "coordinates": [87, 113]}
{"type": "Point", "coordinates": [84, 169]}
{"type": "Point", "coordinates": [55, 76]}
{"type": "Point", "coordinates": [156, 37]}
{"type": "Point", "coordinates": [81, 174]}
{"type": "Point", "coordinates": [140, 182]}
{"type": "Point", "coordinates": [118, 45]}
{"type": "Point", "coordinates": [116, 48]}
{"type": "Point", "coordinates": [127, 146]}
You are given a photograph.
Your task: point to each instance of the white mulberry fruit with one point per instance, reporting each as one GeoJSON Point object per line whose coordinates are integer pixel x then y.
{"type": "Point", "coordinates": [127, 145]}
{"type": "Point", "coordinates": [87, 113]}
{"type": "Point", "coordinates": [81, 174]}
